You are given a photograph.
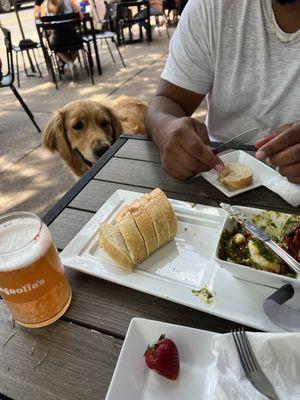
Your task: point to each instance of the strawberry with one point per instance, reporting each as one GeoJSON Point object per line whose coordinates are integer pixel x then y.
{"type": "Point", "coordinates": [163, 358]}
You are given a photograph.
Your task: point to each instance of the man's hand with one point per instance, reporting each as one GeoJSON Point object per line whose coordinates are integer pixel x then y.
{"type": "Point", "coordinates": [184, 149]}
{"type": "Point", "coordinates": [282, 149]}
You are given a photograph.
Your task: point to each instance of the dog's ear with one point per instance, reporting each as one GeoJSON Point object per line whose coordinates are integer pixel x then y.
{"type": "Point", "coordinates": [54, 131]}
{"type": "Point", "coordinates": [116, 124]}
{"type": "Point", "coordinates": [54, 138]}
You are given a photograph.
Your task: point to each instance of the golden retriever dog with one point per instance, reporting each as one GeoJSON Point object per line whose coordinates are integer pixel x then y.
{"type": "Point", "coordinates": [83, 130]}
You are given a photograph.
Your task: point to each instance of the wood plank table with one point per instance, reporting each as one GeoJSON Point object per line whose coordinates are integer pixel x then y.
{"type": "Point", "coordinates": [75, 357]}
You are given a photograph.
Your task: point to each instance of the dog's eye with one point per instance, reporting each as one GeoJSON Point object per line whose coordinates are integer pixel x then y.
{"type": "Point", "coordinates": [78, 126]}
{"type": "Point", "coordinates": [104, 123]}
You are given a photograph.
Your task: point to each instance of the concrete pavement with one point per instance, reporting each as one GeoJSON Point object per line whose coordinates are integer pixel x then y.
{"type": "Point", "coordinates": [31, 178]}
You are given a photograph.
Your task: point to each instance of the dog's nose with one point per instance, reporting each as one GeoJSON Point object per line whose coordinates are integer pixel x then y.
{"type": "Point", "coordinates": [100, 149]}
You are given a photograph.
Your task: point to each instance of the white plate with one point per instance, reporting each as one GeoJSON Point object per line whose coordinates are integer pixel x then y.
{"type": "Point", "coordinates": [133, 380]}
{"type": "Point", "coordinates": [261, 172]}
{"type": "Point", "coordinates": [172, 272]}
{"type": "Point", "coordinates": [248, 273]}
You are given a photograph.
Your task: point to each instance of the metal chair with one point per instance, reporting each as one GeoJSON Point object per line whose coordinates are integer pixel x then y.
{"type": "Point", "coordinates": [7, 80]}
{"type": "Point", "coordinates": [104, 34]}
{"type": "Point", "coordinates": [26, 45]}
{"type": "Point", "coordinates": [60, 23]}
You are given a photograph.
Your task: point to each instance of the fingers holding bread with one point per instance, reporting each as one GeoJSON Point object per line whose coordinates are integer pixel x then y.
{"type": "Point", "coordinates": [139, 229]}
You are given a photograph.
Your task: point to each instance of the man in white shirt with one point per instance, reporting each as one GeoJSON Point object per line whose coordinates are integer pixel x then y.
{"type": "Point", "coordinates": [244, 57]}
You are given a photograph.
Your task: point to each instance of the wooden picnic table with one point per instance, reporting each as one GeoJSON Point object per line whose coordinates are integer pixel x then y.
{"type": "Point", "coordinates": [75, 357]}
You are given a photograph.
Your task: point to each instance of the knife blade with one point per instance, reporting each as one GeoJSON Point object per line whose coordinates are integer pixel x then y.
{"type": "Point", "coordinates": [237, 140]}
{"type": "Point", "coordinates": [252, 228]}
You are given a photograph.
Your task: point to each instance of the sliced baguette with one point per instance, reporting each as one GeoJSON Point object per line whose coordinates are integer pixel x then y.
{"type": "Point", "coordinates": [158, 219]}
{"type": "Point", "coordinates": [111, 240]}
{"type": "Point", "coordinates": [236, 176]}
{"type": "Point", "coordinates": [145, 226]}
{"type": "Point", "coordinates": [121, 214]}
{"type": "Point", "coordinates": [133, 238]}
{"type": "Point", "coordinates": [164, 204]}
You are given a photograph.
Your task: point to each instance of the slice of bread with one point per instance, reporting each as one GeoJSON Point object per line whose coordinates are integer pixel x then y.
{"type": "Point", "coordinates": [158, 219]}
{"type": "Point", "coordinates": [145, 226]}
{"type": "Point", "coordinates": [121, 214]}
{"type": "Point", "coordinates": [236, 176]}
{"type": "Point", "coordinates": [164, 204]}
{"type": "Point", "coordinates": [111, 240]}
{"type": "Point", "coordinates": [133, 238]}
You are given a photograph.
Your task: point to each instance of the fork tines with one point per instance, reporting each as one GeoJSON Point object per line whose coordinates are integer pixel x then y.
{"type": "Point", "coordinates": [246, 354]}
{"type": "Point", "coordinates": [251, 366]}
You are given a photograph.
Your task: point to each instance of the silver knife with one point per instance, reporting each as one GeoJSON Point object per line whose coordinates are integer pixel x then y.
{"type": "Point", "coordinates": [241, 138]}
{"type": "Point", "coordinates": [251, 227]}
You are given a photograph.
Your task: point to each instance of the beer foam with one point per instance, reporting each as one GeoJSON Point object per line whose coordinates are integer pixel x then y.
{"type": "Point", "coordinates": [19, 244]}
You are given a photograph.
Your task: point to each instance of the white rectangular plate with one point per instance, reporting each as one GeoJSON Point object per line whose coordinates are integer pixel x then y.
{"type": "Point", "coordinates": [133, 380]}
{"type": "Point", "coordinates": [248, 273]}
{"type": "Point", "coordinates": [261, 172]}
{"type": "Point", "coordinates": [179, 267]}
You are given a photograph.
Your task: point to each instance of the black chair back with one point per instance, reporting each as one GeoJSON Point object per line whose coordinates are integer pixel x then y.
{"type": "Point", "coordinates": [9, 55]}
{"type": "Point", "coordinates": [60, 24]}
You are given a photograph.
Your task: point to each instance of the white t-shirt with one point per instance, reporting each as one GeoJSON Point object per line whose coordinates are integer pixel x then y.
{"type": "Point", "coordinates": [227, 50]}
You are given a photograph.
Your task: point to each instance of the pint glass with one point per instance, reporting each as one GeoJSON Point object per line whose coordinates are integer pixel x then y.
{"type": "Point", "coordinates": [32, 280]}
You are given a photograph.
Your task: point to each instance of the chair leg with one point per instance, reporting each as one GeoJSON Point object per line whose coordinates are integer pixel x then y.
{"type": "Point", "coordinates": [118, 50]}
{"type": "Point", "coordinates": [91, 68]}
{"type": "Point", "coordinates": [51, 64]}
{"type": "Point", "coordinates": [24, 65]}
{"type": "Point", "coordinates": [111, 54]}
{"type": "Point", "coordinates": [86, 65]}
{"type": "Point", "coordinates": [36, 63]}
{"type": "Point", "coordinates": [24, 105]}
{"type": "Point", "coordinates": [79, 59]}
{"type": "Point", "coordinates": [18, 71]}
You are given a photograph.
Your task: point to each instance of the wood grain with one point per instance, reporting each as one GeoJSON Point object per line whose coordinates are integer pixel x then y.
{"type": "Point", "coordinates": [67, 225]}
{"type": "Point", "coordinates": [110, 307]}
{"type": "Point", "coordinates": [150, 175]}
{"type": "Point", "coordinates": [94, 195]}
{"type": "Point", "coordinates": [78, 364]}
{"type": "Point", "coordinates": [139, 150]}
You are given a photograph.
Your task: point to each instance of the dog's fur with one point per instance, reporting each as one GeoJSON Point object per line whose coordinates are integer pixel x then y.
{"type": "Point", "coordinates": [84, 129]}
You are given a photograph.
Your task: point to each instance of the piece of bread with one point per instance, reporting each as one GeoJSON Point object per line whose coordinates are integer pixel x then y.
{"type": "Point", "coordinates": [111, 240]}
{"type": "Point", "coordinates": [133, 238]}
{"type": "Point", "coordinates": [158, 219]}
{"type": "Point", "coordinates": [236, 176]}
{"type": "Point", "coordinates": [164, 204]}
{"type": "Point", "coordinates": [121, 214]}
{"type": "Point", "coordinates": [145, 226]}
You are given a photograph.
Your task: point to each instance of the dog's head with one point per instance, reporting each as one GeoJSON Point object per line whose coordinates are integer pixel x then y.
{"type": "Point", "coordinates": [81, 132]}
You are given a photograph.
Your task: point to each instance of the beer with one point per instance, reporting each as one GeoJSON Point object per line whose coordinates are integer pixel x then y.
{"type": "Point", "coordinates": [32, 280]}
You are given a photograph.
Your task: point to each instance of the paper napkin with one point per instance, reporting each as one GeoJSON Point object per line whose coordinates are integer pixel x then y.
{"type": "Point", "coordinates": [285, 189]}
{"type": "Point", "coordinates": [278, 355]}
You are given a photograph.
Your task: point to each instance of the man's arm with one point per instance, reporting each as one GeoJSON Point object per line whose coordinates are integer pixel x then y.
{"type": "Point", "coordinates": [182, 141]}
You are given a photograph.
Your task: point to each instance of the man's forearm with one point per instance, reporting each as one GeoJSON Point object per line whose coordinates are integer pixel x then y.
{"type": "Point", "coordinates": [162, 110]}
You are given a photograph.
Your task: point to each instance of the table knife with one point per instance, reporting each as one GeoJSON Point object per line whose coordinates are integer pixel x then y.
{"type": "Point", "coordinates": [252, 228]}
{"type": "Point", "coordinates": [241, 138]}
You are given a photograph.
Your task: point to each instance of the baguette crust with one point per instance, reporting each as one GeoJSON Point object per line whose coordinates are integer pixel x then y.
{"type": "Point", "coordinates": [164, 204]}
{"type": "Point", "coordinates": [145, 226]}
{"type": "Point", "coordinates": [133, 238]}
{"type": "Point", "coordinates": [236, 176]}
{"type": "Point", "coordinates": [117, 253]}
{"type": "Point", "coordinates": [121, 214]}
{"type": "Point", "coordinates": [158, 219]}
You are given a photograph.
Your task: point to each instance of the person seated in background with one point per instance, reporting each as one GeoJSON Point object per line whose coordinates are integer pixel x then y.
{"type": "Point", "coordinates": [62, 38]}
{"type": "Point", "coordinates": [156, 9]}
{"type": "Point", "coordinates": [172, 8]}
{"type": "Point", "coordinates": [37, 9]}
{"type": "Point", "coordinates": [243, 57]}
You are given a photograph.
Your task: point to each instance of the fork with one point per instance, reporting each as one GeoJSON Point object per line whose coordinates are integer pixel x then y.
{"type": "Point", "coordinates": [250, 365]}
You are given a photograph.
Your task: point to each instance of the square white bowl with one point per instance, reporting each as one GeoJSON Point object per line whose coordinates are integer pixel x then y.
{"type": "Point", "coordinates": [247, 273]}
{"type": "Point", "coordinates": [133, 380]}
{"type": "Point", "coordinates": [261, 172]}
